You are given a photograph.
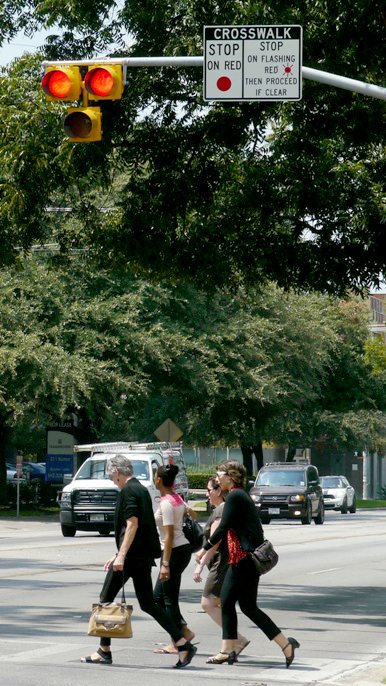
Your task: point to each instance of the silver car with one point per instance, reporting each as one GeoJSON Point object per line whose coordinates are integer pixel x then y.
{"type": "Point", "coordinates": [338, 494]}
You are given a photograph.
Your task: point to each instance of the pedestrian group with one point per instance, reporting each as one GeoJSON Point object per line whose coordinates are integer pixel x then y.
{"type": "Point", "coordinates": [232, 531]}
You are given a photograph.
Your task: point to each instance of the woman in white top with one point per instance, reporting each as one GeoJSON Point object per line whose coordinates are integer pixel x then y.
{"type": "Point", "coordinates": [176, 549]}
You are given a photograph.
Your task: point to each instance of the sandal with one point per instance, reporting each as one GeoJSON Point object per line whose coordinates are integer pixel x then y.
{"type": "Point", "coordinates": [240, 647]}
{"type": "Point", "coordinates": [191, 651]}
{"type": "Point", "coordinates": [230, 658]}
{"type": "Point", "coordinates": [105, 658]}
{"type": "Point", "coordinates": [294, 644]}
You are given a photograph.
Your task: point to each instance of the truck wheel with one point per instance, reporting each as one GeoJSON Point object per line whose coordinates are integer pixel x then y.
{"type": "Point", "coordinates": [68, 530]}
{"type": "Point", "coordinates": [308, 518]}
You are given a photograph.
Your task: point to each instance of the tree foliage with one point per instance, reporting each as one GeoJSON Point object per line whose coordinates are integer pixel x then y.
{"type": "Point", "coordinates": [220, 194]}
{"type": "Point", "coordinates": [123, 354]}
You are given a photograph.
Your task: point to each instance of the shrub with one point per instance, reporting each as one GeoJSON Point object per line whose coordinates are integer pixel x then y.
{"type": "Point", "coordinates": [382, 492]}
{"type": "Point", "coordinates": [27, 493]}
{"type": "Point", "coordinates": [199, 480]}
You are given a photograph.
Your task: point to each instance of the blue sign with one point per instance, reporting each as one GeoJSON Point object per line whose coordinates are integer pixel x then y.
{"type": "Point", "coordinates": [57, 466]}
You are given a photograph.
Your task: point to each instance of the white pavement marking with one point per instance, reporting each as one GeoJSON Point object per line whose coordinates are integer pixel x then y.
{"type": "Point", "coordinates": [37, 653]}
{"type": "Point", "coordinates": [323, 571]}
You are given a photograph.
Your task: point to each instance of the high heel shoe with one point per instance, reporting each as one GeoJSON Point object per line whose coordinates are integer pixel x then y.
{"type": "Point", "coordinates": [191, 651]}
{"type": "Point", "coordinates": [294, 644]}
{"type": "Point", "coordinates": [229, 658]}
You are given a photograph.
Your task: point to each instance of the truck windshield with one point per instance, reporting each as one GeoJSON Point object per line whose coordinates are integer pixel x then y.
{"type": "Point", "coordinates": [96, 469]}
{"type": "Point", "coordinates": [281, 478]}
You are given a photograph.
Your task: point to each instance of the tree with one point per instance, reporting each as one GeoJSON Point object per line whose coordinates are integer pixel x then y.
{"type": "Point", "coordinates": [350, 410]}
{"type": "Point", "coordinates": [235, 368]}
{"type": "Point", "coordinates": [227, 194]}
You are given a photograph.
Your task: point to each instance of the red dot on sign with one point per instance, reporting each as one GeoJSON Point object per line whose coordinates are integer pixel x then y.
{"type": "Point", "coordinates": [287, 70]}
{"type": "Point", "coordinates": [223, 83]}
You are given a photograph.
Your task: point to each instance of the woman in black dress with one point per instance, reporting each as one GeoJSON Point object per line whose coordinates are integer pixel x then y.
{"type": "Point", "coordinates": [240, 525]}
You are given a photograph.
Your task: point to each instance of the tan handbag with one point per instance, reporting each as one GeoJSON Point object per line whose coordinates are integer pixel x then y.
{"type": "Point", "coordinates": [111, 620]}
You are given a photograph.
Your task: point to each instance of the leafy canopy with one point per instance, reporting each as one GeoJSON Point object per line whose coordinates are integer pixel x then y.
{"type": "Point", "coordinates": [220, 194]}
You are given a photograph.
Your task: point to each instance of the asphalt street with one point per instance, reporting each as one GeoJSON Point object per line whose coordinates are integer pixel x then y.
{"type": "Point", "coordinates": [328, 591]}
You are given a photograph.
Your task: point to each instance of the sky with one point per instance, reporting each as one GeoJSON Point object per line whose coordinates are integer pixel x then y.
{"type": "Point", "coordinates": [21, 44]}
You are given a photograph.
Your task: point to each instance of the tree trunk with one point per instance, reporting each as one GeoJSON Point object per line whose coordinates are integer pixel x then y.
{"type": "Point", "coordinates": [247, 452]}
{"type": "Point", "coordinates": [290, 454]}
{"type": "Point", "coordinates": [4, 435]}
{"type": "Point", "coordinates": [258, 451]}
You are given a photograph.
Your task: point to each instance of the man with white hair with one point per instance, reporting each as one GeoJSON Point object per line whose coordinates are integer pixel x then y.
{"type": "Point", "coordinates": [138, 545]}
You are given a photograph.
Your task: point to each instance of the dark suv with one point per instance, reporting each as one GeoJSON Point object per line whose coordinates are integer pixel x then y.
{"type": "Point", "coordinates": [288, 490]}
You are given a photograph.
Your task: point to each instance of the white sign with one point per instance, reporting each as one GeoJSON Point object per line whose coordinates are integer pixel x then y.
{"type": "Point", "coordinates": [252, 63]}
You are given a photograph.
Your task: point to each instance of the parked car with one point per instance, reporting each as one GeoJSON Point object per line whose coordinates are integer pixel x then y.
{"type": "Point", "coordinates": [12, 474]}
{"type": "Point", "coordinates": [34, 471]}
{"type": "Point", "coordinates": [288, 490]}
{"type": "Point", "coordinates": [338, 494]}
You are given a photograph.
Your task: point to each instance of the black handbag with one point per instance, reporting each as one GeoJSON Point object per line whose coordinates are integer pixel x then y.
{"type": "Point", "coordinates": [193, 532]}
{"type": "Point", "coordinates": [265, 557]}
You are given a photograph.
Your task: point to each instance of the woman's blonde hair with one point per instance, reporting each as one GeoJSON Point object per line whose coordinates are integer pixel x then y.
{"type": "Point", "coordinates": [235, 470]}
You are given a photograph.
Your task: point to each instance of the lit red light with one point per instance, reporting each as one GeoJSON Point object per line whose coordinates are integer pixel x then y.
{"type": "Point", "coordinates": [56, 83]}
{"type": "Point", "coordinates": [99, 82]}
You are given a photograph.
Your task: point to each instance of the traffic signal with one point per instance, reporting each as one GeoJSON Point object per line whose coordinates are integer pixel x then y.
{"type": "Point", "coordinates": [83, 124]}
{"type": "Point", "coordinates": [62, 83]}
{"type": "Point", "coordinates": [104, 82]}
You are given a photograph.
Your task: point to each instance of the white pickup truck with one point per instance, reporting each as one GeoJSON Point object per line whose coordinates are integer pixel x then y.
{"type": "Point", "coordinates": [87, 503]}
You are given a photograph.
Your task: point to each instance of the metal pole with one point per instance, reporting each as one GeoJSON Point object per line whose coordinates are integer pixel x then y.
{"type": "Point", "coordinates": [345, 83]}
{"type": "Point", "coordinates": [17, 495]}
{"type": "Point", "coordinates": [198, 61]}
{"type": "Point", "coordinates": [365, 475]}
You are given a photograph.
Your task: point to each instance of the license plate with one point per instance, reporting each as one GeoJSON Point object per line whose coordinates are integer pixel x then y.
{"type": "Point", "coordinates": [274, 510]}
{"type": "Point", "coordinates": [97, 518]}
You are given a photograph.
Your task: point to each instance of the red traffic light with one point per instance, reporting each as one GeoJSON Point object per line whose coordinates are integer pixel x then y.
{"type": "Point", "coordinates": [99, 81]}
{"type": "Point", "coordinates": [62, 84]}
{"type": "Point", "coordinates": [104, 82]}
{"type": "Point", "coordinates": [83, 125]}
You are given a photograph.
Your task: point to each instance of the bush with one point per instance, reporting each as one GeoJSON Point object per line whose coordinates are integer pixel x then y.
{"type": "Point", "coordinates": [199, 480]}
{"type": "Point", "coordinates": [37, 492]}
{"type": "Point", "coordinates": [208, 469]}
{"type": "Point", "coordinates": [28, 493]}
{"type": "Point", "coordinates": [382, 493]}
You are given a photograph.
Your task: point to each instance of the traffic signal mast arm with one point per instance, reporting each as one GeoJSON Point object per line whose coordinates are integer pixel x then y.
{"type": "Point", "coordinates": [307, 72]}
{"type": "Point", "coordinates": [105, 80]}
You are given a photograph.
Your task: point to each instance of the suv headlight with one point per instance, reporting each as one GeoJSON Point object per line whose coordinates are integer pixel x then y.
{"type": "Point", "coordinates": [296, 498]}
{"type": "Point", "coordinates": [256, 498]}
{"type": "Point", "coordinates": [66, 497]}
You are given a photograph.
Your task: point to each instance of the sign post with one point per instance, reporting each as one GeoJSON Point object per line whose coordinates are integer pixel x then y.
{"type": "Point", "coordinates": [19, 473]}
{"type": "Point", "coordinates": [245, 63]}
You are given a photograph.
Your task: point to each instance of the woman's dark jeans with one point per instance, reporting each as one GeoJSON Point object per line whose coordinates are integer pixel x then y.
{"type": "Point", "coordinates": [166, 593]}
{"type": "Point", "coordinates": [240, 584]}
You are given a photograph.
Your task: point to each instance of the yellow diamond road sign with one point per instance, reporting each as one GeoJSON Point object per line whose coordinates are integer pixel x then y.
{"type": "Point", "coordinates": [168, 431]}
